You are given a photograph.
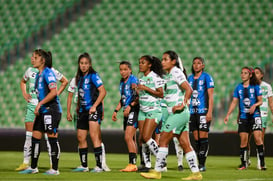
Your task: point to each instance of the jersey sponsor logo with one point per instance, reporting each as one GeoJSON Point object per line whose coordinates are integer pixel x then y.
{"type": "Point", "coordinates": [99, 81]}
{"type": "Point", "coordinates": [86, 81]}
{"type": "Point", "coordinates": [52, 85]}
{"type": "Point", "coordinates": [211, 84]}
{"type": "Point", "coordinates": [51, 78]}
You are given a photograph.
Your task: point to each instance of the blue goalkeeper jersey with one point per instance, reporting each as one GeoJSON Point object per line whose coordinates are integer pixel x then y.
{"type": "Point", "coordinates": [45, 81]}
{"type": "Point", "coordinates": [88, 91]}
{"type": "Point", "coordinates": [247, 97]}
{"type": "Point", "coordinates": [199, 98]}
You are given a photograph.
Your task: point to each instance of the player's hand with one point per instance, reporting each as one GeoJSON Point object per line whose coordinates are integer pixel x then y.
{"type": "Point", "coordinates": [252, 109]}
{"type": "Point", "coordinates": [92, 109]}
{"type": "Point", "coordinates": [178, 108]}
{"type": "Point", "coordinates": [27, 97]}
{"type": "Point", "coordinates": [127, 111]}
{"type": "Point", "coordinates": [114, 116]}
{"type": "Point", "coordinates": [69, 116]}
{"type": "Point", "coordinates": [226, 120]}
{"type": "Point", "coordinates": [209, 117]}
{"type": "Point", "coordinates": [37, 108]}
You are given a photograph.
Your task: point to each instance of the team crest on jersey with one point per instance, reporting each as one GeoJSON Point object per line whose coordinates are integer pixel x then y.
{"type": "Point", "coordinates": [201, 82]}
{"type": "Point", "coordinates": [251, 90]}
{"type": "Point", "coordinates": [41, 79]}
{"type": "Point", "coordinates": [86, 81]}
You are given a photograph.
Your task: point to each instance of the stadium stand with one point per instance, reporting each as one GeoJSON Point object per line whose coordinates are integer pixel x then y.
{"type": "Point", "coordinates": [228, 34]}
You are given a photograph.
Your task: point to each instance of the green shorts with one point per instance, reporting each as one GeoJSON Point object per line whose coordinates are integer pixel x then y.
{"type": "Point", "coordinates": [264, 122]}
{"type": "Point", "coordinates": [156, 115]}
{"type": "Point", "coordinates": [30, 116]}
{"type": "Point", "coordinates": [177, 123]}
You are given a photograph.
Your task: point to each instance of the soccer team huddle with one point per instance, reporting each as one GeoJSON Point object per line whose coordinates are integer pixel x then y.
{"type": "Point", "coordinates": [164, 104]}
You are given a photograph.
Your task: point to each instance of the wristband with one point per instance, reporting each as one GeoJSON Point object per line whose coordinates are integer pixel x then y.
{"type": "Point", "coordinates": [115, 110]}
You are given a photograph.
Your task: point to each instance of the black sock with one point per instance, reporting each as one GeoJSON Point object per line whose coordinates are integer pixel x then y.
{"type": "Point", "coordinates": [83, 152]}
{"type": "Point", "coordinates": [98, 155]}
{"type": "Point", "coordinates": [260, 149]}
{"type": "Point", "coordinates": [55, 152]}
{"type": "Point", "coordinates": [35, 152]}
{"type": "Point", "coordinates": [197, 148]}
{"type": "Point", "coordinates": [141, 155]}
{"type": "Point", "coordinates": [203, 152]}
{"type": "Point", "coordinates": [132, 158]}
{"type": "Point", "coordinates": [243, 155]}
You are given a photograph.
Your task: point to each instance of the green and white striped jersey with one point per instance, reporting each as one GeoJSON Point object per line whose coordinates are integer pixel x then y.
{"type": "Point", "coordinates": [266, 92]}
{"type": "Point", "coordinates": [173, 95]}
{"type": "Point", "coordinates": [147, 101]}
{"type": "Point", "coordinates": [29, 76]}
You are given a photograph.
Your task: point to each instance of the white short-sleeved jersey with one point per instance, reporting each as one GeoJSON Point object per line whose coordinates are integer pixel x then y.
{"type": "Point", "coordinates": [173, 94]}
{"type": "Point", "coordinates": [58, 75]}
{"type": "Point", "coordinates": [147, 101]}
{"type": "Point", "coordinates": [73, 89]}
{"type": "Point", "coordinates": [29, 76]}
{"type": "Point", "coordinates": [266, 92]}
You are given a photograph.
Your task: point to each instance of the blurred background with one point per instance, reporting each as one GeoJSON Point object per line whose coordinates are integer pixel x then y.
{"type": "Point", "coordinates": [228, 34]}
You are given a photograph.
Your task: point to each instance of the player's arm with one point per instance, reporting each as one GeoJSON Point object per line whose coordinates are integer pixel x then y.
{"type": "Point", "coordinates": [23, 87]}
{"type": "Point", "coordinates": [69, 102]}
{"type": "Point", "coordinates": [231, 108]}
{"type": "Point", "coordinates": [188, 92]}
{"type": "Point", "coordinates": [64, 83]}
{"type": "Point", "coordinates": [258, 103]}
{"type": "Point", "coordinates": [210, 108]}
{"type": "Point", "coordinates": [114, 115]}
{"type": "Point", "coordinates": [102, 94]}
{"type": "Point", "coordinates": [158, 92]}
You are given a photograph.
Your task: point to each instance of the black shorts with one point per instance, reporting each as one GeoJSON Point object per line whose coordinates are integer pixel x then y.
{"type": "Point", "coordinates": [85, 117]}
{"type": "Point", "coordinates": [198, 122]}
{"type": "Point", "coordinates": [249, 125]}
{"type": "Point", "coordinates": [47, 122]}
{"type": "Point", "coordinates": [132, 119]}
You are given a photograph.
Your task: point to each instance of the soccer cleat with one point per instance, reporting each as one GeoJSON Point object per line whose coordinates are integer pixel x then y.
{"type": "Point", "coordinates": [241, 167]}
{"type": "Point", "coordinates": [52, 172]}
{"type": "Point", "coordinates": [129, 168]}
{"type": "Point", "coordinates": [180, 168]}
{"type": "Point", "coordinates": [29, 170]}
{"type": "Point", "coordinates": [151, 174]}
{"type": "Point", "coordinates": [194, 176]}
{"type": "Point", "coordinates": [202, 169]}
{"type": "Point", "coordinates": [21, 167]}
{"type": "Point", "coordinates": [96, 170]}
{"type": "Point", "coordinates": [81, 169]}
{"type": "Point", "coordinates": [105, 168]}
{"type": "Point", "coordinates": [143, 169]}
{"type": "Point", "coordinates": [263, 168]}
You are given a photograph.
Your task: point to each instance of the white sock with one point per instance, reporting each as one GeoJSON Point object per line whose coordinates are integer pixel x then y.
{"type": "Point", "coordinates": [161, 158]}
{"type": "Point", "coordinates": [146, 155]}
{"type": "Point", "coordinates": [179, 151]}
{"type": "Point", "coordinates": [192, 161]}
{"type": "Point", "coordinates": [27, 147]}
{"type": "Point", "coordinates": [103, 159]}
{"type": "Point", "coordinates": [152, 146]}
{"type": "Point", "coordinates": [48, 149]}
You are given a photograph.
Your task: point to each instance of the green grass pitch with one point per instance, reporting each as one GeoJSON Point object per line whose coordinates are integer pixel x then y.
{"type": "Point", "coordinates": [219, 168]}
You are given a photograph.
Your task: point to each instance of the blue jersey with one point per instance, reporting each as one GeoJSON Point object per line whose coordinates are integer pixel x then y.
{"type": "Point", "coordinates": [247, 97]}
{"type": "Point", "coordinates": [126, 91]}
{"type": "Point", "coordinates": [88, 91]}
{"type": "Point", "coordinates": [44, 81]}
{"type": "Point", "coordinates": [199, 99]}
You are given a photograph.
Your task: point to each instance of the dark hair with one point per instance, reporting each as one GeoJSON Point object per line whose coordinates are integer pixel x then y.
{"type": "Point", "coordinates": [79, 72]}
{"type": "Point", "coordinates": [199, 58]}
{"type": "Point", "coordinates": [156, 64]}
{"type": "Point", "coordinates": [45, 55]}
{"type": "Point", "coordinates": [173, 56]}
{"type": "Point", "coordinates": [261, 70]}
{"type": "Point", "coordinates": [253, 78]}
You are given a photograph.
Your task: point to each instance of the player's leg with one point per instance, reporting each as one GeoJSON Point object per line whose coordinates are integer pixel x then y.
{"type": "Point", "coordinates": [179, 153]}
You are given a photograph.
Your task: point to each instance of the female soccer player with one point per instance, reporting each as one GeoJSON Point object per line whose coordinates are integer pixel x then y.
{"type": "Point", "coordinates": [130, 106]}
{"type": "Point", "coordinates": [32, 101]}
{"type": "Point", "coordinates": [201, 106]}
{"type": "Point", "coordinates": [177, 95]}
{"type": "Point", "coordinates": [249, 96]}
{"type": "Point", "coordinates": [48, 113]}
{"type": "Point", "coordinates": [72, 91]}
{"type": "Point", "coordinates": [91, 93]}
{"type": "Point", "coordinates": [150, 90]}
